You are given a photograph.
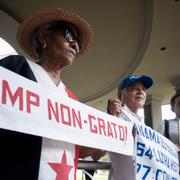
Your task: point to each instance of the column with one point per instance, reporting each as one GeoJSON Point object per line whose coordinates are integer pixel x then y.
{"type": "Point", "coordinates": [152, 111]}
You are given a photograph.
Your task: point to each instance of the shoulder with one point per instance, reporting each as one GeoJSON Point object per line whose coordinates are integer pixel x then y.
{"type": "Point", "coordinates": [18, 64]}
{"type": "Point", "coordinates": [12, 61]}
{"type": "Point", "coordinates": [14, 57]}
{"type": "Point", "coordinates": [173, 120]}
{"type": "Point", "coordinates": [71, 94]}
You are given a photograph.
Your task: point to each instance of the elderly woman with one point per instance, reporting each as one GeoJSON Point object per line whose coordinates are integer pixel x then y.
{"type": "Point", "coordinates": [53, 38]}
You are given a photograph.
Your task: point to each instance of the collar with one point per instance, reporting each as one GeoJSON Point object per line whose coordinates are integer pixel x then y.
{"type": "Point", "coordinates": [133, 114]}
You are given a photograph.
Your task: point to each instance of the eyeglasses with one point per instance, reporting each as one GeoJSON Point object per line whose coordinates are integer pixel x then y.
{"type": "Point", "coordinates": [70, 38]}
{"type": "Point", "coordinates": [68, 33]}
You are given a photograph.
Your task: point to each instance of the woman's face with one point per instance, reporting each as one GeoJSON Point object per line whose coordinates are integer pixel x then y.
{"type": "Point", "coordinates": [61, 46]}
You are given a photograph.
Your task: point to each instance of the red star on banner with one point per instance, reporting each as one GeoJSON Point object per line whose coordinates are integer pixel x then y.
{"type": "Point", "coordinates": [62, 169]}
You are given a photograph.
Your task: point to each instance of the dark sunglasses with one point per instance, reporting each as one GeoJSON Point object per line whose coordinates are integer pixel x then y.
{"type": "Point", "coordinates": [68, 33]}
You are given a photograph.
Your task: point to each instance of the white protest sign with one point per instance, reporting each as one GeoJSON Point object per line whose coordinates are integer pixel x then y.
{"type": "Point", "coordinates": [27, 107]}
{"type": "Point", "coordinates": [156, 156]}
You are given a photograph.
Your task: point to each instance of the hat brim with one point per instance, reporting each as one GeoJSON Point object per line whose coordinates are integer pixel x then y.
{"type": "Point", "coordinates": [147, 81]}
{"type": "Point", "coordinates": [29, 25]}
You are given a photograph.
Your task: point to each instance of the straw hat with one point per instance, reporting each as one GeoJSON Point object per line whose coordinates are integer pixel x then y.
{"type": "Point", "coordinates": [30, 24]}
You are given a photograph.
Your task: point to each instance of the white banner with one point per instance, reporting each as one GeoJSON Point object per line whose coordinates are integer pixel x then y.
{"type": "Point", "coordinates": [27, 107]}
{"type": "Point", "coordinates": [156, 156]}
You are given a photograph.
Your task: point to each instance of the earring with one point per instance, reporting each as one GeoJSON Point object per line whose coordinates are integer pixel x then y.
{"type": "Point", "coordinates": [44, 45]}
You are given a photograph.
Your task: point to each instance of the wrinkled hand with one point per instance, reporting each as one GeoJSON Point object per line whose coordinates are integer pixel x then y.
{"type": "Point", "coordinates": [114, 107]}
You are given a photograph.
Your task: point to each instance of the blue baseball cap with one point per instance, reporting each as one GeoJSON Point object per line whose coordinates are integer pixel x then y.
{"type": "Point", "coordinates": [146, 80]}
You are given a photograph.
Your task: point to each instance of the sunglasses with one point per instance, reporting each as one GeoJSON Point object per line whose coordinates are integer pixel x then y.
{"type": "Point", "coordinates": [70, 38]}
{"type": "Point", "coordinates": [68, 33]}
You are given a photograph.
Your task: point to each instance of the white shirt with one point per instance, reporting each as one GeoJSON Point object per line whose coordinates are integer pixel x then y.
{"type": "Point", "coordinates": [136, 116]}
